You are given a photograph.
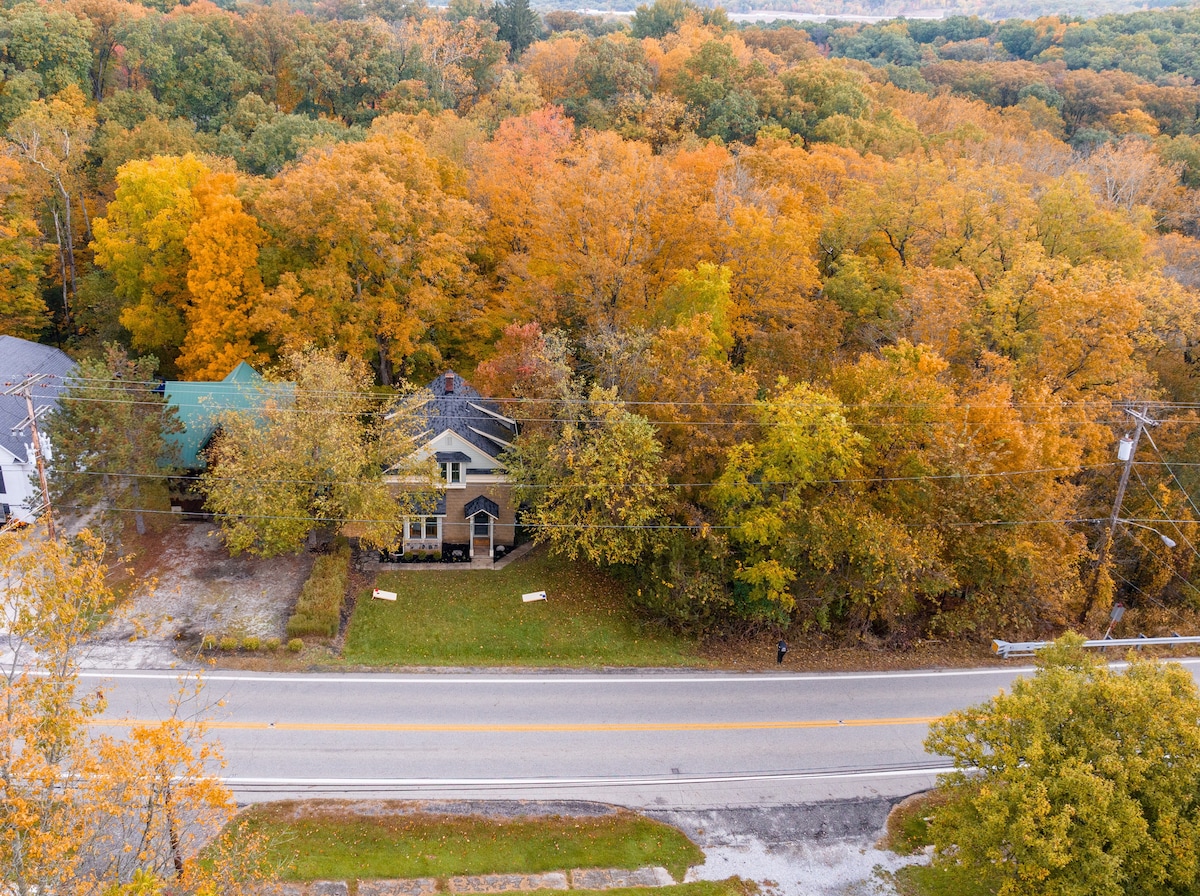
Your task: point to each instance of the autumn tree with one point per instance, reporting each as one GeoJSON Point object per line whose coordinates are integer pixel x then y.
{"type": "Point", "coordinates": [136, 810]}
{"type": "Point", "coordinates": [596, 489]}
{"type": "Point", "coordinates": [183, 255]}
{"type": "Point", "coordinates": [224, 318]}
{"type": "Point", "coordinates": [109, 436]}
{"type": "Point", "coordinates": [51, 138]}
{"type": "Point", "coordinates": [313, 458]}
{"type": "Point", "coordinates": [24, 258]}
{"type": "Point", "coordinates": [533, 368]}
{"type": "Point", "coordinates": [1081, 780]}
{"type": "Point", "coordinates": [140, 242]}
{"type": "Point", "coordinates": [765, 494]}
{"type": "Point", "coordinates": [379, 236]}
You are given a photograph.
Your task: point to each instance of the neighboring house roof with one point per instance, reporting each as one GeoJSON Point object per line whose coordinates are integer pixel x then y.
{"type": "Point", "coordinates": [200, 405]}
{"type": "Point", "coordinates": [20, 358]}
{"type": "Point", "coordinates": [458, 407]}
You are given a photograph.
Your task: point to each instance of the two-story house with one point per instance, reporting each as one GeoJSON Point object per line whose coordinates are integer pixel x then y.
{"type": "Point", "coordinates": [465, 436]}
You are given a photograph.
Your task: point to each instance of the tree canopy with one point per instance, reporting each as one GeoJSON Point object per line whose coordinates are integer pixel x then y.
{"type": "Point", "coordinates": [978, 241]}
{"type": "Point", "coordinates": [1081, 780]}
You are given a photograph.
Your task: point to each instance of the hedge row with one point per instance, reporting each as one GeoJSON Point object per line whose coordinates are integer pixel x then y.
{"type": "Point", "coordinates": [319, 609]}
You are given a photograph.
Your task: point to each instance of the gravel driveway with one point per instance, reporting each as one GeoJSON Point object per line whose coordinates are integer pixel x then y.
{"type": "Point", "coordinates": [199, 590]}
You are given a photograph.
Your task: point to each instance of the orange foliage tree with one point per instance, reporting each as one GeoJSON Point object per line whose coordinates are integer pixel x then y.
{"type": "Point", "coordinates": [81, 814]}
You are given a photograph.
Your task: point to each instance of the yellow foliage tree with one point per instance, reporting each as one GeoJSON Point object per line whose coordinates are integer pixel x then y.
{"type": "Point", "coordinates": [82, 814]}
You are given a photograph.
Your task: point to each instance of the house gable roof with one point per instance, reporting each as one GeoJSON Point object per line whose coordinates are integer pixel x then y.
{"type": "Point", "coordinates": [199, 406]}
{"type": "Point", "coordinates": [18, 359]}
{"type": "Point", "coordinates": [464, 412]}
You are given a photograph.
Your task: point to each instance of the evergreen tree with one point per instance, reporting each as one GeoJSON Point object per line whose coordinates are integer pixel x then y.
{"type": "Point", "coordinates": [108, 439]}
{"type": "Point", "coordinates": [517, 25]}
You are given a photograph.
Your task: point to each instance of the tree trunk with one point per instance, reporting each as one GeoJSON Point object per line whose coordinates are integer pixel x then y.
{"type": "Point", "coordinates": [62, 267]}
{"type": "Point", "coordinates": [70, 248]}
{"type": "Point", "coordinates": [139, 520]}
{"type": "Point", "coordinates": [87, 221]}
{"type": "Point", "coordinates": [385, 361]}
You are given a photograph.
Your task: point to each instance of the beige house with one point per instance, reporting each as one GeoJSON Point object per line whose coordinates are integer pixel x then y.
{"type": "Point", "coordinates": [474, 516]}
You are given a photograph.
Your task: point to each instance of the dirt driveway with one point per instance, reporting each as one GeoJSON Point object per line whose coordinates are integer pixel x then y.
{"type": "Point", "coordinates": [199, 590]}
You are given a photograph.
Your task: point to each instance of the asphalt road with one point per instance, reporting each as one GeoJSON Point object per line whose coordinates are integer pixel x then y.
{"type": "Point", "coordinates": [644, 739]}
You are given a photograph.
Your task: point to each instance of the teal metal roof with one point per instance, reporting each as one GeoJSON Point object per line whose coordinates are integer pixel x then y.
{"type": "Point", "coordinates": [200, 405]}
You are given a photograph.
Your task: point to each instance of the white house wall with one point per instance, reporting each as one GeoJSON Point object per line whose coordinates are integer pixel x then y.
{"type": "Point", "coordinates": [18, 492]}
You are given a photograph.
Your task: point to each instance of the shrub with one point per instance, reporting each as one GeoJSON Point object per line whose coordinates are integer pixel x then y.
{"type": "Point", "coordinates": [319, 607]}
{"type": "Point", "coordinates": [295, 645]}
{"type": "Point", "coordinates": [250, 643]}
{"type": "Point", "coordinates": [208, 642]}
{"type": "Point", "coordinates": [228, 643]}
{"type": "Point", "coordinates": [271, 644]}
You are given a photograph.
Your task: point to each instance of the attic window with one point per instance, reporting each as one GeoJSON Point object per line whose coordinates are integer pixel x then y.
{"type": "Point", "coordinates": [451, 472]}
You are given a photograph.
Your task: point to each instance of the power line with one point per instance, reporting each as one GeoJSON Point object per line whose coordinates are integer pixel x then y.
{"type": "Point", "coordinates": [1173, 476]}
{"type": "Point", "coordinates": [157, 385]}
{"type": "Point", "coordinates": [698, 527]}
{"type": "Point", "coordinates": [865, 480]}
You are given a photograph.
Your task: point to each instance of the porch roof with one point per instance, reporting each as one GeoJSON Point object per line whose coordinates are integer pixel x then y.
{"type": "Point", "coordinates": [482, 504]}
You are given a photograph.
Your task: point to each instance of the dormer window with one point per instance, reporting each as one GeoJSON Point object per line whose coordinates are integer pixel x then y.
{"type": "Point", "coordinates": [452, 472]}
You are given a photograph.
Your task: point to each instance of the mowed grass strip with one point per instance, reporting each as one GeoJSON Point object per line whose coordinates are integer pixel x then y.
{"type": "Point", "coordinates": [315, 842]}
{"type": "Point", "coordinates": [477, 618]}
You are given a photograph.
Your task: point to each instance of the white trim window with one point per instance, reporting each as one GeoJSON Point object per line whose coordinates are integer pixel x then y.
{"type": "Point", "coordinates": [452, 473]}
{"type": "Point", "coordinates": [423, 528]}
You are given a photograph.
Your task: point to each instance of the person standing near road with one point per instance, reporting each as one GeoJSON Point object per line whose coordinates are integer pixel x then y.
{"type": "Point", "coordinates": [782, 648]}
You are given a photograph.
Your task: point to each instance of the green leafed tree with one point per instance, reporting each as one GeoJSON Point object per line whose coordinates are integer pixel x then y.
{"type": "Point", "coordinates": [313, 457]}
{"type": "Point", "coordinates": [596, 488]}
{"type": "Point", "coordinates": [108, 440]}
{"type": "Point", "coordinates": [516, 24]}
{"type": "Point", "coordinates": [766, 494]}
{"type": "Point", "coordinates": [1082, 780]}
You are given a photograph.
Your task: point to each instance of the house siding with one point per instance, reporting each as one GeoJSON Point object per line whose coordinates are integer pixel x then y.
{"type": "Point", "coordinates": [456, 528]}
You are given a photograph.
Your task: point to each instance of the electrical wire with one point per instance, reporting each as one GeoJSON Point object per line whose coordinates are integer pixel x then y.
{"type": "Point", "coordinates": [1163, 460]}
{"type": "Point", "coordinates": [865, 480]}
{"type": "Point", "coordinates": [157, 385]}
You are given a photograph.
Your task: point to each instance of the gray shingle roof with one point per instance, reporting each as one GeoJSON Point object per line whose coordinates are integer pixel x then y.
{"type": "Point", "coordinates": [484, 503]}
{"type": "Point", "coordinates": [465, 412]}
{"type": "Point", "coordinates": [18, 359]}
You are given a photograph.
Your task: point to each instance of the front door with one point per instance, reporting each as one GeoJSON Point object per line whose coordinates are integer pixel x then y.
{"type": "Point", "coordinates": [481, 535]}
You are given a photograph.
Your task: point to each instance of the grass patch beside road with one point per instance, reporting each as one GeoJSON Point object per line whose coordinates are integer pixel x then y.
{"type": "Point", "coordinates": [476, 618]}
{"type": "Point", "coordinates": [315, 841]}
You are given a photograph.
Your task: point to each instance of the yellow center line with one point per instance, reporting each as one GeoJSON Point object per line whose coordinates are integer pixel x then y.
{"type": "Point", "coordinates": [460, 728]}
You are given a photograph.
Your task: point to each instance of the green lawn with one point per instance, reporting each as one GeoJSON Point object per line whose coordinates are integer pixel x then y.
{"type": "Point", "coordinates": [925, 880]}
{"type": "Point", "coordinates": [476, 618]}
{"type": "Point", "coordinates": [331, 842]}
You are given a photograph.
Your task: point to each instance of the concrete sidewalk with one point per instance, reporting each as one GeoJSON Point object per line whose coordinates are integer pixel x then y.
{"type": "Point", "coordinates": [577, 879]}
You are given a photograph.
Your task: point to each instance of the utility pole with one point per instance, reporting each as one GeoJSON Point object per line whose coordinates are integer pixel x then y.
{"type": "Point", "coordinates": [25, 389]}
{"type": "Point", "coordinates": [1126, 452]}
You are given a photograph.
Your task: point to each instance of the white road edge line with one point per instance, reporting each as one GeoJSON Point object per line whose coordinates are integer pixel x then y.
{"type": "Point", "coordinates": [534, 679]}
{"type": "Point", "coordinates": [468, 783]}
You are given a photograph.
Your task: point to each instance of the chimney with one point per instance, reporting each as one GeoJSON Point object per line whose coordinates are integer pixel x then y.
{"type": "Point", "coordinates": [449, 382]}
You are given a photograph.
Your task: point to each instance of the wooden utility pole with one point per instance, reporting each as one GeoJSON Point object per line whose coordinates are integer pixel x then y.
{"type": "Point", "coordinates": [1143, 420]}
{"type": "Point", "coordinates": [25, 389]}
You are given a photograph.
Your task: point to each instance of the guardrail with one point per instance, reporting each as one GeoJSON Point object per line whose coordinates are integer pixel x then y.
{"type": "Point", "coordinates": [1029, 648]}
